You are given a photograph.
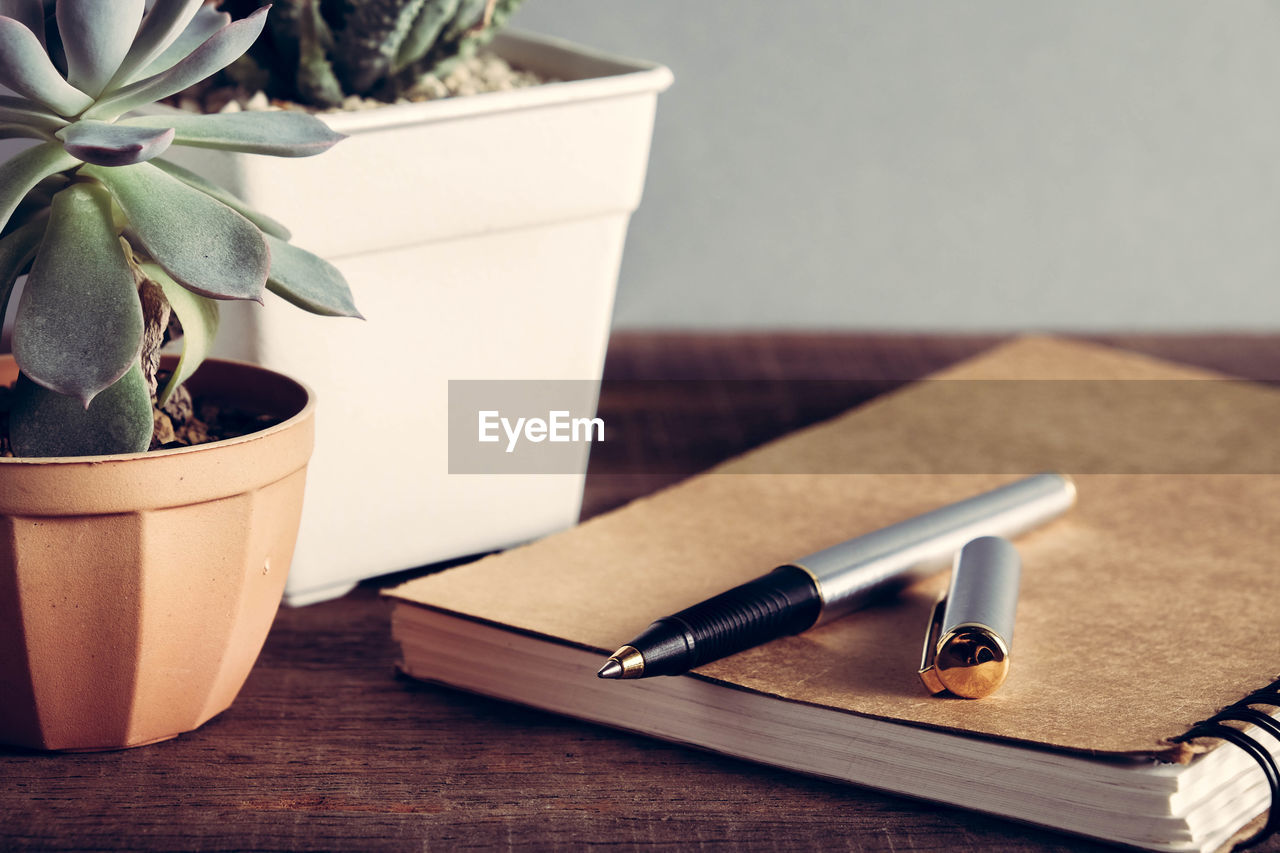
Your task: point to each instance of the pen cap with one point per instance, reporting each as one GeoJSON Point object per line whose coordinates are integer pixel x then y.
{"type": "Point", "coordinates": [971, 632]}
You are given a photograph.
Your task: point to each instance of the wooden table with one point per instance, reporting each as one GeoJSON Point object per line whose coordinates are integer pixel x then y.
{"type": "Point", "coordinates": [327, 749]}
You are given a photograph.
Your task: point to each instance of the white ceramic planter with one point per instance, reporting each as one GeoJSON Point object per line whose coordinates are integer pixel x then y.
{"type": "Point", "coordinates": [481, 237]}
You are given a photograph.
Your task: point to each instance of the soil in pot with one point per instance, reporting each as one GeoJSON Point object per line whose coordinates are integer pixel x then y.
{"type": "Point", "coordinates": [182, 422]}
{"type": "Point", "coordinates": [472, 75]}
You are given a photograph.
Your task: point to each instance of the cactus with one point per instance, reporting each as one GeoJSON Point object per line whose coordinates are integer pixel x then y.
{"type": "Point", "coordinates": [114, 239]}
{"type": "Point", "coordinates": [318, 52]}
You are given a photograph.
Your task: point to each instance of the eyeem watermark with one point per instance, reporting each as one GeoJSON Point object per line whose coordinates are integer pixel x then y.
{"type": "Point", "coordinates": [559, 426]}
{"type": "Point", "coordinates": [932, 426]}
{"type": "Point", "coordinates": [523, 426]}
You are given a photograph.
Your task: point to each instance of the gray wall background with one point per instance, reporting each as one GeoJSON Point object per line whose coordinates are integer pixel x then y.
{"type": "Point", "coordinates": [990, 164]}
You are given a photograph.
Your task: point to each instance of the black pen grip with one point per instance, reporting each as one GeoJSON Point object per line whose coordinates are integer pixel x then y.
{"type": "Point", "coordinates": [785, 601]}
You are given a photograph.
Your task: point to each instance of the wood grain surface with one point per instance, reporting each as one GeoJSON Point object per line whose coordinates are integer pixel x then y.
{"type": "Point", "coordinates": [326, 749]}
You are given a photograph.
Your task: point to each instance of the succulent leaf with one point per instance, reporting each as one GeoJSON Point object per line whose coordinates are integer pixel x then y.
{"type": "Point", "coordinates": [317, 81]}
{"type": "Point", "coordinates": [424, 32]}
{"type": "Point", "coordinates": [16, 251]}
{"type": "Point", "coordinates": [208, 20]}
{"type": "Point", "coordinates": [79, 324]}
{"type": "Point", "coordinates": [470, 15]}
{"type": "Point", "coordinates": [309, 282]}
{"type": "Point", "coordinates": [264, 222]}
{"type": "Point", "coordinates": [36, 203]}
{"type": "Point", "coordinates": [215, 54]}
{"type": "Point", "coordinates": [27, 70]}
{"type": "Point", "coordinates": [291, 59]}
{"type": "Point", "coordinates": [9, 130]}
{"type": "Point", "coordinates": [199, 319]}
{"type": "Point", "coordinates": [205, 245]}
{"type": "Point", "coordinates": [370, 40]}
{"type": "Point", "coordinates": [96, 35]}
{"type": "Point", "coordinates": [29, 13]}
{"type": "Point", "coordinates": [164, 23]}
{"type": "Point", "coordinates": [44, 423]}
{"type": "Point", "coordinates": [20, 111]}
{"type": "Point", "coordinates": [282, 134]}
{"type": "Point", "coordinates": [112, 144]}
{"type": "Point", "coordinates": [22, 172]}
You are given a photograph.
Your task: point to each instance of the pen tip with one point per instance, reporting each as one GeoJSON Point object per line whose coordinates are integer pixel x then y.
{"type": "Point", "coordinates": [611, 669]}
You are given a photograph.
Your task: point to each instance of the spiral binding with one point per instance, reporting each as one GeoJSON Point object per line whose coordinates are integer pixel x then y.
{"type": "Point", "coordinates": [1242, 712]}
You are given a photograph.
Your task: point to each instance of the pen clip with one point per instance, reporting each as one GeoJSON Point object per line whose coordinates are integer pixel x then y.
{"type": "Point", "coordinates": [928, 672]}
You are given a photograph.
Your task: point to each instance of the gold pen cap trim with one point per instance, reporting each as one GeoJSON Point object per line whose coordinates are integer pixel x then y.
{"type": "Point", "coordinates": [970, 661]}
{"type": "Point", "coordinates": [631, 661]}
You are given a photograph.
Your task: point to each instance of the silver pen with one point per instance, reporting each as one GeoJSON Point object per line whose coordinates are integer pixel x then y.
{"type": "Point", "coordinates": [832, 582]}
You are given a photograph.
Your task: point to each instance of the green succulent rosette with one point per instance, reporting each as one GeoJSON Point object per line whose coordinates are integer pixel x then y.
{"type": "Point", "coordinates": [92, 210]}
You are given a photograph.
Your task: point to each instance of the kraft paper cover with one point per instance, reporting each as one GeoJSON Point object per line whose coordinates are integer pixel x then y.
{"type": "Point", "coordinates": [1147, 608]}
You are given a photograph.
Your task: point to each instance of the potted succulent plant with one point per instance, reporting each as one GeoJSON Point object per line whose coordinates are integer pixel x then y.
{"type": "Point", "coordinates": [136, 588]}
{"type": "Point", "coordinates": [484, 235]}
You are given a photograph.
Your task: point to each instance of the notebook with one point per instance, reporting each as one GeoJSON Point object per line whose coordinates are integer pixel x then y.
{"type": "Point", "coordinates": [1148, 609]}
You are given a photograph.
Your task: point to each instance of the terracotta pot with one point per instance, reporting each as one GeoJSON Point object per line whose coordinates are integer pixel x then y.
{"type": "Point", "coordinates": [137, 590]}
